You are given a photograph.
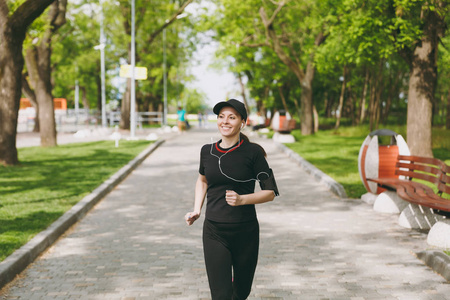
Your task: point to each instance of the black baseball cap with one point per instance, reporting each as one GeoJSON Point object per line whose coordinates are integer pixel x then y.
{"type": "Point", "coordinates": [236, 104]}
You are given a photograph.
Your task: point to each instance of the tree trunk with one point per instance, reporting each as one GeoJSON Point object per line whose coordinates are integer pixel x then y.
{"type": "Point", "coordinates": [352, 105]}
{"type": "Point", "coordinates": [283, 100]}
{"type": "Point", "coordinates": [46, 116]}
{"type": "Point", "coordinates": [38, 58]}
{"type": "Point", "coordinates": [11, 65]}
{"type": "Point", "coordinates": [299, 112]}
{"type": "Point", "coordinates": [38, 65]}
{"type": "Point", "coordinates": [307, 124]}
{"type": "Point", "coordinates": [372, 104]}
{"type": "Point", "coordinates": [341, 99]}
{"type": "Point", "coordinates": [447, 121]}
{"type": "Point", "coordinates": [125, 108]}
{"type": "Point", "coordinates": [305, 78]}
{"type": "Point", "coordinates": [422, 84]}
{"type": "Point", "coordinates": [363, 98]}
{"type": "Point", "coordinates": [12, 34]}
{"type": "Point", "coordinates": [316, 119]}
{"type": "Point", "coordinates": [29, 93]}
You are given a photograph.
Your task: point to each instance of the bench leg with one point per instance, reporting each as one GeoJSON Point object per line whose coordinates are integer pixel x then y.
{"type": "Point", "coordinates": [418, 217]}
{"type": "Point", "coordinates": [389, 202]}
{"type": "Point", "coordinates": [369, 198]}
{"type": "Point", "coordinates": [439, 235]}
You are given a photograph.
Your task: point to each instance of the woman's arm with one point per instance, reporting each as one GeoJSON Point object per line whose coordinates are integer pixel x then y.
{"type": "Point", "coordinates": [234, 199]}
{"type": "Point", "coordinates": [201, 187]}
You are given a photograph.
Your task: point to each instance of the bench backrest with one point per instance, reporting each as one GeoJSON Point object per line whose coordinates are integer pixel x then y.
{"type": "Point", "coordinates": [429, 169]}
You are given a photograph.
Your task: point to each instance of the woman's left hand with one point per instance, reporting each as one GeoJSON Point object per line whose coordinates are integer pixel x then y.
{"type": "Point", "coordinates": [233, 198]}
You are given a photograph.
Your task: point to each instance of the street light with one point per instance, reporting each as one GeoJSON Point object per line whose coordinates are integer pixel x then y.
{"type": "Point", "coordinates": [164, 77]}
{"type": "Point", "coordinates": [101, 47]}
{"type": "Point", "coordinates": [133, 79]}
{"type": "Point", "coordinates": [164, 68]}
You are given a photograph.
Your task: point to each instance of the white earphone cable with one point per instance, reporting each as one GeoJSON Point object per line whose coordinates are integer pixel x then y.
{"type": "Point", "coordinates": [229, 177]}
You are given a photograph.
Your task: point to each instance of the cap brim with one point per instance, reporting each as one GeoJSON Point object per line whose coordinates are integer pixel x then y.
{"type": "Point", "coordinates": [219, 106]}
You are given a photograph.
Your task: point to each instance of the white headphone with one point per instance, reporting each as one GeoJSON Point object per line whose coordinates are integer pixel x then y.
{"type": "Point", "coordinates": [229, 177]}
{"type": "Point", "coordinates": [243, 125]}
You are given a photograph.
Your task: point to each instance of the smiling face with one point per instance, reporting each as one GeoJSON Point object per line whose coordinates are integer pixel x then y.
{"type": "Point", "coordinates": [229, 122]}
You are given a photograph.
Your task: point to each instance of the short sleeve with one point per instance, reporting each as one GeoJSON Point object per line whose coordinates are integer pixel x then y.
{"type": "Point", "coordinates": [260, 165]}
{"type": "Point", "coordinates": [201, 168]}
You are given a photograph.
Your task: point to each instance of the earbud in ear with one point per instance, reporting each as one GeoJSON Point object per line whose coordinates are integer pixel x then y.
{"type": "Point", "coordinates": [242, 126]}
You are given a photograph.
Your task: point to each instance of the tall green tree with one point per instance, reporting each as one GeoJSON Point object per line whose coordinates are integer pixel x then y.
{"type": "Point", "coordinates": [428, 18]}
{"type": "Point", "coordinates": [372, 32]}
{"type": "Point", "coordinates": [15, 18]}
{"type": "Point", "coordinates": [292, 30]}
{"type": "Point", "coordinates": [39, 65]}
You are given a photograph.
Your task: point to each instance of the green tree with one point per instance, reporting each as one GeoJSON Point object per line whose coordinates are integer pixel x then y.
{"type": "Point", "coordinates": [419, 49]}
{"type": "Point", "coordinates": [15, 18]}
{"type": "Point", "coordinates": [39, 67]}
{"type": "Point", "coordinates": [291, 30]}
{"type": "Point", "coordinates": [372, 32]}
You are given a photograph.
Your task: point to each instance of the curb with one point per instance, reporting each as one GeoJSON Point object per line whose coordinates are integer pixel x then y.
{"type": "Point", "coordinates": [335, 187]}
{"type": "Point", "coordinates": [22, 257]}
{"type": "Point", "coordinates": [436, 260]}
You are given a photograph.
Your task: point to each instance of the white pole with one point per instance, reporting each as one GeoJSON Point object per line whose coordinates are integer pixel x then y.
{"type": "Point", "coordinates": [77, 102]}
{"type": "Point", "coordinates": [77, 98]}
{"type": "Point", "coordinates": [164, 77]}
{"type": "Point", "coordinates": [133, 65]}
{"type": "Point", "coordinates": [102, 59]}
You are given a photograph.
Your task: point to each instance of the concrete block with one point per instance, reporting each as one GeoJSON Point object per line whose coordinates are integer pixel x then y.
{"type": "Point", "coordinates": [439, 235]}
{"type": "Point", "coordinates": [283, 138]}
{"type": "Point", "coordinates": [369, 198]}
{"type": "Point", "coordinates": [418, 217]}
{"type": "Point", "coordinates": [389, 202]}
{"type": "Point", "coordinates": [437, 260]}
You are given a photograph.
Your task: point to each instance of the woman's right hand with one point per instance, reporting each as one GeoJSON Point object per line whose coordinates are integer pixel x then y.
{"type": "Point", "coordinates": [191, 217]}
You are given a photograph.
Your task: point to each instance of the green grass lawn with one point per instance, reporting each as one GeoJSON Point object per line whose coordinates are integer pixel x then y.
{"type": "Point", "coordinates": [336, 153]}
{"type": "Point", "coordinates": [49, 181]}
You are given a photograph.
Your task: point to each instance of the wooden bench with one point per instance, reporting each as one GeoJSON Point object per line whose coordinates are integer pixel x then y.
{"type": "Point", "coordinates": [430, 170]}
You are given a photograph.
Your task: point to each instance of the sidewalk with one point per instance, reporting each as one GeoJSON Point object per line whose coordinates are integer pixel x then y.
{"type": "Point", "coordinates": [135, 245]}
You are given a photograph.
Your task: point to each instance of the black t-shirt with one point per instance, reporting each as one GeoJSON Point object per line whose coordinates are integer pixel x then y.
{"type": "Point", "coordinates": [239, 167]}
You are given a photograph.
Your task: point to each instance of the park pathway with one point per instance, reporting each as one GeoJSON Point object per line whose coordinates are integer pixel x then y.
{"type": "Point", "coordinates": [135, 245]}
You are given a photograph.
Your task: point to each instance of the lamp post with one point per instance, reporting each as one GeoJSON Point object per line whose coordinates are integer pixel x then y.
{"type": "Point", "coordinates": [133, 79]}
{"type": "Point", "coordinates": [164, 77]}
{"type": "Point", "coordinates": [77, 102]}
{"type": "Point", "coordinates": [101, 47]}
{"type": "Point", "coordinates": [164, 68]}
{"type": "Point", "coordinates": [102, 63]}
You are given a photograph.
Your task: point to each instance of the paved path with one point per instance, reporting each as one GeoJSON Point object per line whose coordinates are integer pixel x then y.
{"type": "Point", "coordinates": [135, 244]}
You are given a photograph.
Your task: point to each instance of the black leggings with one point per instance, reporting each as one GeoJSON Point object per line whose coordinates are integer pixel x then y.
{"type": "Point", "coordinates": [230, 248]}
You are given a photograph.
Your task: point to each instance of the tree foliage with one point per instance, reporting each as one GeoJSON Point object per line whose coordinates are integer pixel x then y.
{"type": "Point", "coordinates": [368, 64]}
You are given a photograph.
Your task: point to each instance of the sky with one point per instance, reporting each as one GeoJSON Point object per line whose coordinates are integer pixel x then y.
{"type": "Point", "coordinates": [217, 85]}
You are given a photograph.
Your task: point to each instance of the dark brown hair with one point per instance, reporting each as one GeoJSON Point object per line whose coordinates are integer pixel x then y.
{"type": "Point", "coordinates": [246, 139]}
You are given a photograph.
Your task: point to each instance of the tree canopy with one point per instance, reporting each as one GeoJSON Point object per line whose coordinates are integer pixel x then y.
{"type": "Point", "coordinates": [373, 61]}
